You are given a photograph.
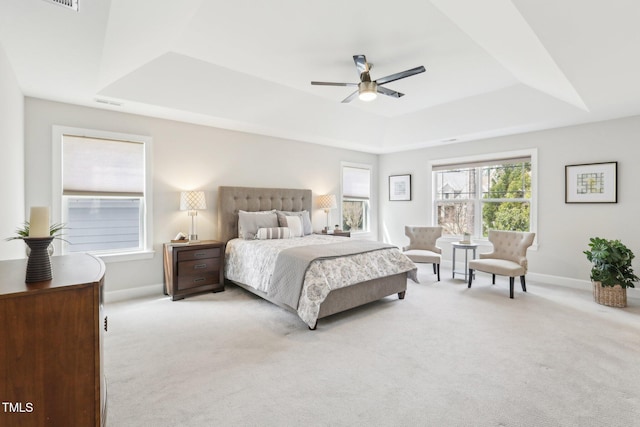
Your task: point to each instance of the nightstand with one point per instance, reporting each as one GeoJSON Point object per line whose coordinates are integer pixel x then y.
{"type": "Point", "coordinates": [338, 233]}
{"type": "Point", "coordinates": [193, 268]}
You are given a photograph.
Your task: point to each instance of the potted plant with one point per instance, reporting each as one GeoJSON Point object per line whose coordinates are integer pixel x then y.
{"type": "Point", "coordinates": [611, 271]}
{"type": "Point", "coordinates": [23, 232]}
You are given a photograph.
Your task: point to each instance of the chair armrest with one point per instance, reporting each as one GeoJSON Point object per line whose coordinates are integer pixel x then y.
{"type": "Point", "coordinates": [523, 262]}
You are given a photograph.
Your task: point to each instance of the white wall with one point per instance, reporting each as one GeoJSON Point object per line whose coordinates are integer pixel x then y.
{"type": "Point", "coordinates": [187, 156]}
{"type": "Point", "coordinates": [12, 214]}
{"type": "Point", "coordinates": [563, 229]}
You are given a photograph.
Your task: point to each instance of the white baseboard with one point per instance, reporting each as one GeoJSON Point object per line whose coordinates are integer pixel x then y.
{"type": "Point", "coordinates": [156, 290]}
{"type": "Point", "coordinates": [545, 278]}
{"type": "Point", "coordinates": [133, 293]}
{"type": "Point", "coordinates": [559, 280]}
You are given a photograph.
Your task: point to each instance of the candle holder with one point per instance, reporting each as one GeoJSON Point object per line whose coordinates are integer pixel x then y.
{"type": "Point", "coordinates": [39, 263]}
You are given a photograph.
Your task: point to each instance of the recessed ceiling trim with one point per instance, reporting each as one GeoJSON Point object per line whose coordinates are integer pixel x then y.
{"type": "Point", "coordinates": [499, 28]}
{"type": "Point", "coordinates": [69, 4]}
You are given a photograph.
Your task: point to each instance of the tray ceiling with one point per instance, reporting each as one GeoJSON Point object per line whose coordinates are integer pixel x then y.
{"type": "Point", "coordinates": [492, 68]}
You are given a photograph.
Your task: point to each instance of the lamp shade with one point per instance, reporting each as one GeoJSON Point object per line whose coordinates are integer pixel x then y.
{"type": "Point", "coordinates": [192, 200]}
{"type": "Point", "coordinates": [367, 91]}
{"type": "Point", "coordinates": [327, 201]}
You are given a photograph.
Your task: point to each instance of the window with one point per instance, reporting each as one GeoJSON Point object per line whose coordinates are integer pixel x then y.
{"type": "Point", "coordinates": [103, 183]}
{"type": "Point", "coordinates": [477, 196]}
{"type": "Point", "coordinates": [356, 194]}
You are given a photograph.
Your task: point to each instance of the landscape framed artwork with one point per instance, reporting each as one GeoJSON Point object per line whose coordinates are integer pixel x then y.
{"type": "Point", "coordinates": [591, 183]}
{"type": "Point", "coordinates": [400, 187]}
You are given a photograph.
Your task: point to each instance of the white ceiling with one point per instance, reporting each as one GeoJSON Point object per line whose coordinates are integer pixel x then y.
{"type": "Point", "coordinates": [493, 67]}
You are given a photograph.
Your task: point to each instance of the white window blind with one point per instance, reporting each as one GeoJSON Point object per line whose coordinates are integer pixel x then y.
{"type": "Point", "coordinates": [356, 183]}
{"type": "Point", "coordinates": [92, 166]}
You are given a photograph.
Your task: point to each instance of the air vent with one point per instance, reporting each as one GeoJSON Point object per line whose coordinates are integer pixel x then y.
{"type": "Point", "coordinates": [108, 102]}
{"type": "Point", "coordinates": [69, 4]}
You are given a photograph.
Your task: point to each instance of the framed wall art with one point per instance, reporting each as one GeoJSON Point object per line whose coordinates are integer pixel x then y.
{"type": "Point", "coordinates": [591, 183]}
{"type": "Point", "coordinates": [400, 187]}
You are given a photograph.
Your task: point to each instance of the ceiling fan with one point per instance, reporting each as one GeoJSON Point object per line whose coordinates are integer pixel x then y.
{"type": "Point", "coordinates": [367, 89]}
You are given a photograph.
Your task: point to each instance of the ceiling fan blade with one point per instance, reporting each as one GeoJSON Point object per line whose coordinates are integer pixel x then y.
{"type": "Point", "coordinates": [400, 75]}
{"type": "Point", "coordinates": [361, 64]}
{"type": "Point", "coordinates": [389, 92]}
{"type": "Point", "coordinates": [350, 97]}
{"type": "Point", "coordinates": [333, 84]}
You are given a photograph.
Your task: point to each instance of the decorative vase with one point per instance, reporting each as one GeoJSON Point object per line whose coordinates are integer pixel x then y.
{"type": "Point", "coordinates": [612, 296]}
{"type": "Point", "coordinates": [50, 250]}
{"type": "Point", "coordinates": [39, 263]}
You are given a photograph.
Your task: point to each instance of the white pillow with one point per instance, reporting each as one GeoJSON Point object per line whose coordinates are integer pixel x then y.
{"type": "Point", "coordinates": [306, 219]}
{"type": "Point", "coordinates": [294, 223]}
{"type": "Point", "coordinates": [273, 233]}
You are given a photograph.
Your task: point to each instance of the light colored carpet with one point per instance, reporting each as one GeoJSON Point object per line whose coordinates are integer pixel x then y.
{"type": "Point", "coordinates": [444, 356]}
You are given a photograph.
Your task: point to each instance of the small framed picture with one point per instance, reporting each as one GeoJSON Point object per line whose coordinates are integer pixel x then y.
{"type": "Point", "coordinates": [400, 187]}
{"type": "Point", "coordinates": [591, 183]}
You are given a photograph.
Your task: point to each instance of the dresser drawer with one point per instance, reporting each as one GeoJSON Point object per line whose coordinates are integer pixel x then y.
{"type": "Point", "coordinates": [198, 254]}
{"type": "Point", "coordinates": [201, 266]}
{"type": "Point", "coordinates": [188, 282]}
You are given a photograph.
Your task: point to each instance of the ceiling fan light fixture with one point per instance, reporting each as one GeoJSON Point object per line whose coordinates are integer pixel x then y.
{"type": "Point", "coordinates": [367, 91]}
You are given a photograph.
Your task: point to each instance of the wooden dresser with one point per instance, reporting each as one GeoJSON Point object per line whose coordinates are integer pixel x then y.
{"type": "Point", "coordinates": [51, 344]}
{"type": "Point", "coordinates": [193, 268]}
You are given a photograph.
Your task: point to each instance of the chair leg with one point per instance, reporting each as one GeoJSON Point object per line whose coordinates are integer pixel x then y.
{"type": "Point", "coordinates": [438, 268]}
{"type": "Point", "coordinates": [493, 279]}
{"type": "Point", "coordinates": [470, 277]}
{"type": "Point", "coordinates": [524, 285]}
{"type": "Point", "coordinates": [434, 268]}
{"type": "Point", "coordinates": [511, 280]}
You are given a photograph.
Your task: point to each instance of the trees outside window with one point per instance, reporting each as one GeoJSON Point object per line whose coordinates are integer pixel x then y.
{"type": "Point", "coordinates": [489, 195]}
{"type": "Point", "coordinates": [506, 202]}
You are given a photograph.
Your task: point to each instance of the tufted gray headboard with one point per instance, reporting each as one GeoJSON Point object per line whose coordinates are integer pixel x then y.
{"type": "Point", "coordinates": [252, 199]}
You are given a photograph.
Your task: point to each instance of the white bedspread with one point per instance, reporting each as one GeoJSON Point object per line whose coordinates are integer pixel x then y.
{"type": "Point", "coordinates": [252, 262]}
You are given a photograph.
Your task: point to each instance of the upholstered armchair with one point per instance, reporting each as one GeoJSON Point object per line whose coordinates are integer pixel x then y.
{"type": "Point", "coordinates": [509, 257]}
{"type": "Point", "coordinates": [422, 246]}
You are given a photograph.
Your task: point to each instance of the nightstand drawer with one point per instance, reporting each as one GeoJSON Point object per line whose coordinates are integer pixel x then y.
{"type": "Point", "coordinates": [200, 266]}
{"type": "Point", "coordinates": [198, 254]}
{"type": "Point", "coordinates": [187, 282]}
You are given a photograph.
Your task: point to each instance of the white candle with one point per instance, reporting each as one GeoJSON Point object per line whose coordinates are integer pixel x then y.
{"type": "Point", "coordinates": [39, 221]}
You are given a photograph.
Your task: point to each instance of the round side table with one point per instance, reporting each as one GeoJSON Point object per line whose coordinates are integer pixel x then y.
{"type": "Point", "coordinates": [466, 247]}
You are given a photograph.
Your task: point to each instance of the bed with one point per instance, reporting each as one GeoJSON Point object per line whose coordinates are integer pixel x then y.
{"type": "Point", "coordinates": [340, 279]}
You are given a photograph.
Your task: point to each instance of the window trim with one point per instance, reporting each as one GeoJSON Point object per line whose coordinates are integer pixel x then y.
{"type": "Point", "coordinates": [369, 167]}
{"type": "Point", "coordinates": [147, 251]}
{"type": "Point", "coordinates": [480, 158]}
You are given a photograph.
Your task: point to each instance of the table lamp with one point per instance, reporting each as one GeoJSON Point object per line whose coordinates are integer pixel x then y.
{"type": "Point", "coordinates": [192, 201]}
{"type": "Point", "coordinates": [327, 202]}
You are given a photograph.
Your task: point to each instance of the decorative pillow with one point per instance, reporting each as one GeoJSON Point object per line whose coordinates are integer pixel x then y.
{"type": "Point", "coordinates": [273, 233]}
{"type": "Point", "coordinates": [249, 222]}
{"type": "Point", "coordinates": [295, 225]}
{"type": "Point", "coordinates": [304, 217]}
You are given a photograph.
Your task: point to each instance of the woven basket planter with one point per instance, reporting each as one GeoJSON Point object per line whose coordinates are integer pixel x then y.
{"type": "Point", "coordinates": [612, 296]}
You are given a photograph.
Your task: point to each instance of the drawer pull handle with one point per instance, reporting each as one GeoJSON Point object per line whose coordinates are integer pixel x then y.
{"type": "Point", "coordinates": [199, 266]}
{"type": "Point", "coordinates": [198, 280]}
{"type": "Point", "coordinates": [200, 255]}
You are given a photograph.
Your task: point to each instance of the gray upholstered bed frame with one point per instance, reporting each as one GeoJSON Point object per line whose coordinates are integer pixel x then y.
{"type": "Point", "coordinates": [251, 199]}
